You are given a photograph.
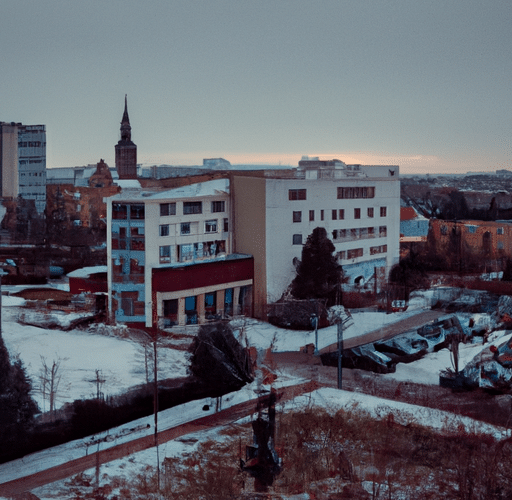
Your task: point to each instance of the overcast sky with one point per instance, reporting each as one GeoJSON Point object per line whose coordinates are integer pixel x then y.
{"type": "Point", "coordinates": [422, 84]}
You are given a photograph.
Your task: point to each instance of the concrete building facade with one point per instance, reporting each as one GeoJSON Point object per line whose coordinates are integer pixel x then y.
{"type": "Point", "coordinates": [170, 256]}
{"type": "Point", "coordinates": [23, 162]}
{"type": "Point", "coordinates": [32, 164]}
{"type": "Point", "coordinates": [9, 160]}
{"type": "Point", "coordinates": [359, 206]}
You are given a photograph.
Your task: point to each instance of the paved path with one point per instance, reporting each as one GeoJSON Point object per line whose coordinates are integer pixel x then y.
{"type": "Point", "coordinates": [223, 417]}
{"type": "Point", "coordinates": [388, 331]}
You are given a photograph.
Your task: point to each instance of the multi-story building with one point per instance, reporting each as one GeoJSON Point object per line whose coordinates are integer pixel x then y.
{"type": "Point", "coordinates": [487, 240]}
{"type": "Point", "coordinates": [23, 162]}
{"type": "Point", "coordinates": [358, 205]}
{"type": "Point", "coordinates": [170, 256]}
{"type": "Point", "coordinates": [32, 164]}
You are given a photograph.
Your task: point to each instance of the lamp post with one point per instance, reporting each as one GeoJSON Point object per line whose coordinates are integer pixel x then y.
{"type": "Point", "coordinates": [340, 353]}
{"type": "Point", "coordinates": [155, 397]}
{"type": "Point", "coordinates": [314, 324]}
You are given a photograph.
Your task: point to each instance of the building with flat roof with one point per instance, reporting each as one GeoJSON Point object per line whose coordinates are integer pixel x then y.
{"type": "Point", "coordinates": [358, 205]}
{"type": "Point", "coordinates": [23, 162]}
{"type": "Point", "coordinates": [170, 258]}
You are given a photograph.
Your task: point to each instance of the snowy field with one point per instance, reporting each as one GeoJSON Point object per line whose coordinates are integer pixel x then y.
{"type": "Point", "coordinates": [121, 361]}
{"type": "Point", "coordinates": [122, 364]}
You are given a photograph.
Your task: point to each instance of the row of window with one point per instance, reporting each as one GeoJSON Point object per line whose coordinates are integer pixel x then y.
{"type": "Point", "coordinates": [31, 144]}
{"type": "Point", "coordinates": [354, 253]}
{"type": "Point", "coordinates": [210, 226]}
{"type": "Point", "coordinates": [358, 233]}
{"type": "Point", "coordinates": [343, 193]}
{"type": "Point", "coordinates": [191, 207]}
{"type": "Point", "coordinates": [471, 229]}
{"type": "Point", "coordinates": [350, 234]}
{"type": "Point", "coordinates": [192, 251]}
{"type": "Point", "coordinates": [339, 214]}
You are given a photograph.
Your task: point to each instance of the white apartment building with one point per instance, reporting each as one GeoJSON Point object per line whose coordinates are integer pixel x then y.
{"type": "Point", "coordinates": [170, 256]}
{"type": "Point", "coordinates": [358, 205]}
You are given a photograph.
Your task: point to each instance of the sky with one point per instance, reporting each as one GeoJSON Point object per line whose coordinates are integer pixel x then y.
{"type": "Point", "coordinates": [425, 85]}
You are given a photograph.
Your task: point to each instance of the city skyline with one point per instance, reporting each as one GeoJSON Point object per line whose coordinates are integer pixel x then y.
{"type": "Point", "coordinates": [423, 86]}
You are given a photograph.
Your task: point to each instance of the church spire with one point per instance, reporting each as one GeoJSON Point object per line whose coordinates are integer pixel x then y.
{"type": "Point", "coordinates": [126, 129]}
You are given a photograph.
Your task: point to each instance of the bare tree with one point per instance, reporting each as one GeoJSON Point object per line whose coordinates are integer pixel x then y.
{"type": "Point", "coordinates": [50, 379]}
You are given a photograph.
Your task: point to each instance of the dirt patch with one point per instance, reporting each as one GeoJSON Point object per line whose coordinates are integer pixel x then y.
{"type": "Point", "coordinates": [43, 294]}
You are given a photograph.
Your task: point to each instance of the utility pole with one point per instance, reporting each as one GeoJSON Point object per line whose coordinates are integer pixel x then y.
{"type": "Point", "coordinates": [340, 353]}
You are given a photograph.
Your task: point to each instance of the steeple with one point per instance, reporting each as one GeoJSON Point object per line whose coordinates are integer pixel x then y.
{"type": "Point", "coordinates": [126, 129]}
{"type": "Point", "coordinates": [126, 150]}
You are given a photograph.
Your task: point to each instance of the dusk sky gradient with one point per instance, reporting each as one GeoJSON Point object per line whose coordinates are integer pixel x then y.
{"type": "Point", "coordinates": [422, 84]}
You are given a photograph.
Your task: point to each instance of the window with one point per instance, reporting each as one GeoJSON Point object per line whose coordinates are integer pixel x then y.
{"type": "Point", "coordinates": [185, 228]}
{"type": "Point", "coordinates": [165, 253]}
{"type": "Point", "coordinates": [226, 225]}
{"type": "Point", "coordinates": [341, 214]}
{"type": "Point", "coordinates": [119, 211]}
{"type": "Point", "coordinates": [297, 239]}
{"type": "Point", "coordinates": [210, 305]}
{"type": "Point", "coordinates": [383, 231]}
{"type": "Point", "coordinates": [500, 245]}
{"type": "Point", "coordinates": [167, 209]}
{"type": "Point", "coordinates": [357, 213]}
{"type": "Point", "coordinates": [164, 229]}
{"type": "Point", "coordinates": [297, 216]}
{"type": "Point", "coordinates": [335, 234]}
{"type": "Point", "coordinates": [321, 215]}
{"type": "Point", "coordinates": [383, 211]}
{"type": "Point", "coordinates": [210, 226]}
{"type": "Point", "coordinates": [500, 230]}
{"type": "Point", "coordinates": [370, 212]}
{"type": "Point", "coordinates": [311, 215]}
{"type": "Point", "coordinates": [192, 207]}
{"type": "Point", "coordinates": [218, 206]}
{"type": "Point", "coordinates": [472, 229]}
{"type": "Point", "coordinates": [355, 192]}
{"type": "Point", "coordinates": [444, 230]}
{"type": "Point", "coordinates": [171, 310]}
{"type": "Point", "coordinates": [341, 255]}
{"type": "Point", "coordinates": [296, 194]}
{"type": "Point", "coordinates": [371, 232]}
{"type": "Point", "coordinates": [334, 215]}
{"type": "Point", "coordinates": [191, 310]}
{"type": "Point", "coordinates": [379, 249]}
{"type": "Point", "coordinates": [136, 211]}
{"type": "Point", "coordinates": [356, 252]}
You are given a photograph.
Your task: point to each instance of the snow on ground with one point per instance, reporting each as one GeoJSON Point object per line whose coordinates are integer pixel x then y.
{"type": "Point", "coordinates": [121, 362]}
{"type": "Point", "coordinates": [330, 399]}
{"type": "Point", "coordinates": [262, 335]}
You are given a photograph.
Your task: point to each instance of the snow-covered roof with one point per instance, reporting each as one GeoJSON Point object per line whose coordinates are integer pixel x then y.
{"type": "Point", "coordinates": [85, 272]}
{"type": "Point", "coordinates": [128, 183]}
{"type": "Point", "coordinates": [199, 189]}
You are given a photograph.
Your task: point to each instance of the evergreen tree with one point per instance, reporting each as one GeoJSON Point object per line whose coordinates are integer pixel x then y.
{"type": "Point", "coordinates": [318, 273]}
{"type": "Point", "coordinates": [17, 408]}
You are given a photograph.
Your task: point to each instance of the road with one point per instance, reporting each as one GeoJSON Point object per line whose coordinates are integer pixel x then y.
{"type": "Point", "coordinates": [388, 331]}
{"type": "Point", "coordinates": [221, 418]}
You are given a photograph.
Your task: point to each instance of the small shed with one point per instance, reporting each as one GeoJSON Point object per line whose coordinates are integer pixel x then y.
{"type": "Point", "coordinates": [88, 280]}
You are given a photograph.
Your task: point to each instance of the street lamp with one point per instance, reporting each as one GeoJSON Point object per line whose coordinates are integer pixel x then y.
{"type": "Point", "coordinates": [314, 324]}
{"type": "Point", "coordinates": [155, 398]}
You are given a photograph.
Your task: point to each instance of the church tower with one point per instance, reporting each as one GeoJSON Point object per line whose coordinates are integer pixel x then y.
{"type": "Point", "coordinates": [126, 150]}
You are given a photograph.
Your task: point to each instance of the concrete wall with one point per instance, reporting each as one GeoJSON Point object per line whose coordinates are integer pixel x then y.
{"type": "Point", "coordinates": [9, 160]}
{"type": "Point", "coordinates": [250, 232]}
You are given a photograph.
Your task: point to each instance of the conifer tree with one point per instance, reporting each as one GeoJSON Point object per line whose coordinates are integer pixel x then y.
{"type": "Point", "coordinates": [318, 273]}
